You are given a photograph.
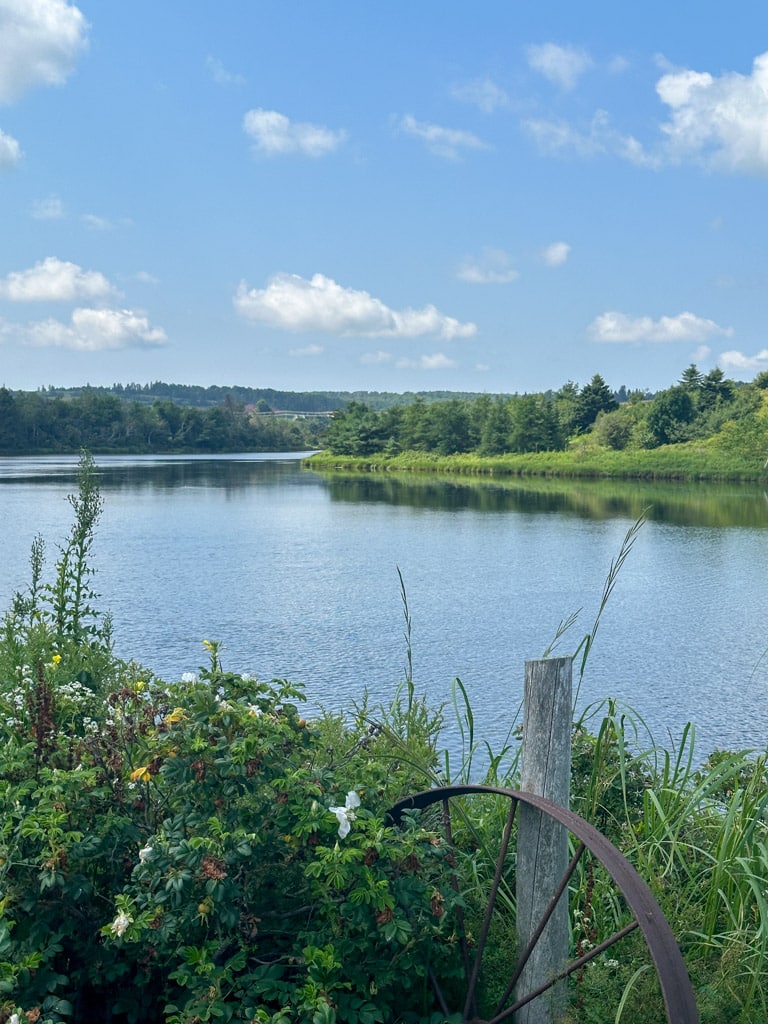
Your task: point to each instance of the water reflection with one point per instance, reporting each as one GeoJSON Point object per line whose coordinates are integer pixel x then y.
{"type": "Point", "coordinates": [161, 473]}
{"type": "Point", "coordinates": [711, 505]}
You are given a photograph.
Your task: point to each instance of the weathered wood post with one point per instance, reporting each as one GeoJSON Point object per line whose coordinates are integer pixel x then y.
{"type": "Point", "coordinates": [542, 848]}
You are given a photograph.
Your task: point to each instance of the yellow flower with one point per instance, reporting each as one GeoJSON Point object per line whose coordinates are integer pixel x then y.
{"type": "Point", "coordinates": [208, 645]}
{"type": "Point", "coordinates": [141, 774]}
{"type": "Point", "coordinates": [176, 716]}
{"type": "Point", "coordinates": [56, 659]}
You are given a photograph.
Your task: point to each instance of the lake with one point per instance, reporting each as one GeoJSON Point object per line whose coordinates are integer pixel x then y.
{"type": "Point", "coordinates": [296, 573]}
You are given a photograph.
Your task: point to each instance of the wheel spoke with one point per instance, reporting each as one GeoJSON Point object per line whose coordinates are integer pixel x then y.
{"type": "Point", "coordinates": [463, 945]}
{"type": "Point", "coordinates": [444, 1008]}
{"type": "Point", "coordinates": [482, 938]}
{"type": "Point", "coordinates": [548, 912]}
{"type": "Point", "coordinates": [566, 972]}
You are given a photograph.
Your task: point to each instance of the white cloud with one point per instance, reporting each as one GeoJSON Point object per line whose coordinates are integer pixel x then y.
{"type": "Point", "coordinates": [51, 208]}
{"type": "Point", "coordinates": [308, 350]}
{"type": "Point", "coordinates": [146, 278]}
{"type": "Point", "coordinates": [376, 358]}
{"type": "Point", "coordinates": [438, 361]}
{"type": "Point", "coordinates": [41, 42]}
{"type": "Point", "coordinates": [483, 93]}
{"type": "Point", "coordinates": [96, 223]}
{"type": "Point", "coordinates": [444, 142]}
{"type": "Point", "coordinates": [10, 151]}
{"type": "Point", "coordinates": [274, 134]}
{"type": "Point", "coordinates": [295, 304]}
{"type": "Point", "coordinates": [619, 327]}
{"type": "Point", "coordinates": [701, 353]}
{"type": "Point", "coordinates": [90, 330]}
{"type": "Point", "coordinates": [599, 138]}
{"type": "Point", "coordinates": [736, 361]}
{"type": "Point", "coordinates": [493, 267]}
{"type": "Point", "coordinates": [722, 121]}
{"type": "Point", "coordinates": [53, 280]}
{"type": "Point", "coordinates": [563, 65]}
{"type": "Point", "coordinates": [556, 254]}
{"type": "Point", "coordinates": [220, 75]}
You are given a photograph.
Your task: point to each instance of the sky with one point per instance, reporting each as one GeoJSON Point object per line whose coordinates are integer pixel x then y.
{"type": "Point", "coordinates": [486, 197]}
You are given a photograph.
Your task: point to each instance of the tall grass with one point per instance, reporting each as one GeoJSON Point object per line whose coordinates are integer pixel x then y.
{"type": "Point", "coordinates": [689, 461]}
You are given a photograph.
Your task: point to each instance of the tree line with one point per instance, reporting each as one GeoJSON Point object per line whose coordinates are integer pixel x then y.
{"type": "Point", "coordinates": [104, 420]}
{"type": "Point", "coordinates": [38, 423]}
{"type": "Point", "coordinates": [262, 399]}
{"type": "Point", "coordinates": [696, 407]}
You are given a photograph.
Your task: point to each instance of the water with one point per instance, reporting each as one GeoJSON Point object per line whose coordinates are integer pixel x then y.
{"type": "Point", "coordinates": [297, 574]}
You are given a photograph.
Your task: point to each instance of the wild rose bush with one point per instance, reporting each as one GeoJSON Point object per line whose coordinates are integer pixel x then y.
{"type": "Point", "coordinates": [198, 851]}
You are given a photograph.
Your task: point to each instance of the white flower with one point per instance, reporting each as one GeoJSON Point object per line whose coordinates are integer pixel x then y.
{"type": "Point", "coordinates": [145, 853]}
{"type": "Point", "coordinates": [13, 1019]}
{"type": "Point", "coordinates": [188, 677]}
{"type": "Point", "coordinates": [120, 925]}
{"type": "Point", "coordinates": [254, 709]}
{"type": "Point", "coordinates": [346, 814]}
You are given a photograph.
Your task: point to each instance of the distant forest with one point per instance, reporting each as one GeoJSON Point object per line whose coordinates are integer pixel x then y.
{"type": "Point", "coordinates": [178, 418]}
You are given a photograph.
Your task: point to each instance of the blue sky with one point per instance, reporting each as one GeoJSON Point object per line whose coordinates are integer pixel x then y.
{"type": "Point", "coordinates": [405, 196]}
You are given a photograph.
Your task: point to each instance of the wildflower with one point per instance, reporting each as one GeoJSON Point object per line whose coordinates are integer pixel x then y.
{"type": "Point", "coordinates": [121, 924]}
{"type": "Point", "coordinates": [13, 1019]}
{"type": "Point", "coordinates": [208, 645]}
{"type": "Point", "coordinates": [188, 677]}
{"type": "Point", "coordinates": [346, 814]}
{"type": "Point", "coordinates": [175, 716]}
{"type": "Point", "coordinates": [255, 710]}
{"type": "Point", "coordinates": [141, 774]}
{"type": "Point", "coordinates": [145, 853]}
{"type": "Point", "coordinates": [56, 659]}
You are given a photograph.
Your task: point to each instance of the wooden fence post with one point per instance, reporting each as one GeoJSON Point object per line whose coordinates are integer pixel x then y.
{"type": "Point", "coordinates": [542, 848]}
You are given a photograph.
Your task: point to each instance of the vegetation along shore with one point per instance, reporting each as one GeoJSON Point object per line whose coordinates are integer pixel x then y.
{"type": "Point", "coordinates": [704, 427]}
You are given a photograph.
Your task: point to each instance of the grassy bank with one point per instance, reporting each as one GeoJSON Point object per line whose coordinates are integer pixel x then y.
{"type": "Point", "coordinates": [689, 462]}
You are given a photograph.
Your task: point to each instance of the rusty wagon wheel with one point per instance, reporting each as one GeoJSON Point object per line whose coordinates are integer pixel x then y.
{"type": "Point", "coordinates": [593, 858]}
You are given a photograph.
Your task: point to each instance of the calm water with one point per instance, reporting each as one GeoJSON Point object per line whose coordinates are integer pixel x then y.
{"type": "Point", "coordinates": [297, 574]}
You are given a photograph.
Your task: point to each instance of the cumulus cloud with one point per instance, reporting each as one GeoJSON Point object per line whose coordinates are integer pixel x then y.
{"type": "Point", "coordinates": [51, 208]}
{"type": "Point", "coordinates": [737, 361]}
{"type": "Point", "coordinates": [54, 280]}
{"type": "Point", "coordinates": [376, 358]}
{"type": "Point", "coordinates": [597, 138]}
{"type": "Point", "coordinates": [563, 65]}
{"type": "Point", "coordinates": [722, 121]}
{"type": "Point", "coordinates": [10, 151]}
{"type": "Point", "coordinates": [484, 94]}
{"type": "Point", "coordinates": [96, 223]}
{"type": "Point", "coordinates": [320, 304]}
{"type": "Point", "coordinates": [219, 73]}
{"type": "Point", "coordinates": [90, 330]}
{"type": "Point", "coordinates": [438, 361]}
{"type": "Point", "coordinates": [274, 134]}
{"type": "Point", "coordinates": [620, 327]}
{"type": "Point", "coordinates": [308, 350]}
{"type": "Point", "coordinates": [556, 254]}
{"type": "Point", "coordinates": [493, 267]}
{"type": "Point", "coordinates": [444, 142]}
{"type": "Point", "coordinates": [718, 121]}
{"type": "Point", "coordinates": [42, 41]}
